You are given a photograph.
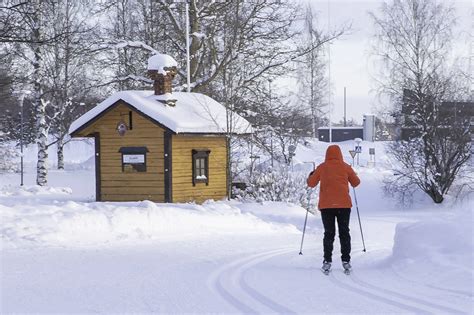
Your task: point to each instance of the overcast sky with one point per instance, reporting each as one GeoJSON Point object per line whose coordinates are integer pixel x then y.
{"type": "Point", "coordinates": [350, 56]}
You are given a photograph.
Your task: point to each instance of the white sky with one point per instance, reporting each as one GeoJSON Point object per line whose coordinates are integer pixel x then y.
{"type": "Point", "coordinates": [350, 56]}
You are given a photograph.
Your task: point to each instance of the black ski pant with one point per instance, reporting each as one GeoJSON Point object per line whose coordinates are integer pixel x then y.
{"type": "Point", "coordinates": [329, 217]}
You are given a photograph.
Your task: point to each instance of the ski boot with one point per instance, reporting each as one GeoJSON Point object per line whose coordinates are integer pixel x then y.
{"type": "Point", "coordinates": [326, 268]}
{"type": "Point", "coordinates": [347, 267]}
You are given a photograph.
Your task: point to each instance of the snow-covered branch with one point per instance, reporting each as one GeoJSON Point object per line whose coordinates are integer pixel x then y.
{"type": "Point", "coordinates": [136, 44]}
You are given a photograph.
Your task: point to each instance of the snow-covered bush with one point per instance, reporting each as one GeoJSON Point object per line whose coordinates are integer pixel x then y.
{"type": "Point", "coordinates": [430, 164]}
{"type": "Point", "coordinates": [9, 157]}
{"type": "Point", "coordinates": [277, 184]}
{"type": "Point", "coordinates": [463, 187]}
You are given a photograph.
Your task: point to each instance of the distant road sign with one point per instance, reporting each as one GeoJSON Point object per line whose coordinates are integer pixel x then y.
{"type": "Point", "coordinates": [358, 149]}
{"type": "Point", "coordinates": [372, 151]}
{"type": "Point", "coordinates": [353, 153]}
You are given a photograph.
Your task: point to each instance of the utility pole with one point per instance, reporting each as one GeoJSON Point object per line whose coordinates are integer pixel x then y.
{"type": "Point", "coordinates": [329, 74]}
{"type": "Point", "coordinates": [345, 107]}
{"type": "Point", "coordinates": [22, 94]}
{"type": "Point", "coordinates": [271, 129]}
{"type": "Point", "coordinates": [22, 98]}
{"type": "Point", "coordinates": [188, 59]}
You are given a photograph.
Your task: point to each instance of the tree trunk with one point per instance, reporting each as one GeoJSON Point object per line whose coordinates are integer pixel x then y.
{"type": "Point", "coordinates": [60, 151]}
{"type": "Point", "coordinates": [42, 164]}
{"type": "Point", "coordinates": [435, 195]}
{"type": "Point", "coordinates": [42, 135]}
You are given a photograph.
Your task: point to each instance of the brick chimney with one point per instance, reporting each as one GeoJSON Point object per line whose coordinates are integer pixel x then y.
{"type": "Point", "coordinates": [162, 69]}
{"type": "Point", "coordinates": [162, 80]}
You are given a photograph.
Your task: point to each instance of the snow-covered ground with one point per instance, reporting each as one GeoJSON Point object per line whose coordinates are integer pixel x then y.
{"type": "Point", "coordinates": [61, 252]}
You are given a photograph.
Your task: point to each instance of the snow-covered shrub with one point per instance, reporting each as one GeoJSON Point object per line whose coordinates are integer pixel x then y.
{"type": "Point", "coordinates": [278, 184]}
{"type": "Point", "coordinates": [464, 187]}
{"type": "Point", "coordinates": [430, 164]}
{"type": "Point", "coordinates": [9, 157]}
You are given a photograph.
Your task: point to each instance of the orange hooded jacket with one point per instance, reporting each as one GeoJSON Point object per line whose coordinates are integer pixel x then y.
{"type": "Point", "coordinates": [335, 176]}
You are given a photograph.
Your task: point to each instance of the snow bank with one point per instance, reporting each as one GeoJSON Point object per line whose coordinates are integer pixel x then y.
{"type": "Point", "coordinates": [282, 212]}
{"type": "Point", "coordinates": [34, 190]}
{"type": "Point", "coordinates": [433, 239]}
{"type": "Point", "coordinates": [76, 224]}
{"type": "Point", "coordinates": [439, 249]}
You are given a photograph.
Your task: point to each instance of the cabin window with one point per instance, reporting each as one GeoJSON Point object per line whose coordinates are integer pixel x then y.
{"type": "Point", "coordinates": [133, 159]}
{"type": "Point", "coordinates": [201, 166]}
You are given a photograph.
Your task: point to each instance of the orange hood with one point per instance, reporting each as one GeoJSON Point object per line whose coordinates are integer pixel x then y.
{"type": "Point", "coordinates": [334, 153]}
{"type": "Point", "coordinates": [334, 176]}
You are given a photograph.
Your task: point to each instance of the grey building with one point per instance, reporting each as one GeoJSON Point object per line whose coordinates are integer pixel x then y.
{"type": "Point", "coordinates": [366, 132]}
{"type": "Point", "coordinates": [450, 114]}
{"type": "Point", "coordinates": [340, 133]}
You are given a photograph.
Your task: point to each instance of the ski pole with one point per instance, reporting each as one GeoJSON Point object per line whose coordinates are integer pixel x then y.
{"type": "Point", "coordinates": [304, 228]}
{"type": "Point", "coordinates": [307, 210]}
{"type": "Point", "coordinates": [360, 225]}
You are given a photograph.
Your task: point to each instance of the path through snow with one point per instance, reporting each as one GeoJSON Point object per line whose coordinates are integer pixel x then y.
{"type": "Point", "coordinates": [62, 253]}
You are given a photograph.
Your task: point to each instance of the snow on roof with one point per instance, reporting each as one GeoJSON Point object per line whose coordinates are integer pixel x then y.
{"type": "Point", "coordinates": [160, 61]}
{"type": "Point", "coordinates": [193, 113]}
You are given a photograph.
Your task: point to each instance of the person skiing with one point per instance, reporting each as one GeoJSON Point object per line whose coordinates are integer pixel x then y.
{"type": "Point", "coordinates": [335, 203]}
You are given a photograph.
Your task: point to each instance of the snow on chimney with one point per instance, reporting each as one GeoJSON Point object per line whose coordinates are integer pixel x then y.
{"type": "Point", "coordinates": [162, 70]}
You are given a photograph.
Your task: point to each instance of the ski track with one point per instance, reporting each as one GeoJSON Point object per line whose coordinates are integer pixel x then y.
{"type": "Point", "coordinates": [235, 272]}
{"type": "Point", "coordinates": [432, 305]}
{"type": "Point", "coordinates": [375, 296]}
{"type": "Point", "coordinates": [461, 293]}
{"type": "Point", "coordinates": [240, 275]}
{"type": "Point", "coordinates": [360, 283]}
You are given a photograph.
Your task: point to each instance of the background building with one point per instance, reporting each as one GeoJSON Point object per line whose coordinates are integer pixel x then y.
{"type": "Point", "coordinates": [450, 114]}
{"type": "Point", "coordinates": [366, 132]}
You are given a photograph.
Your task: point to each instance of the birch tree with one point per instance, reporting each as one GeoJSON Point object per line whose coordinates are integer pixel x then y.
{"type": "Point", "coordinates": [68, 64]}
{"type": "Point", "coordinates": [28, 39]}
{"type": "Point", "coordinates": [310, 69]}
{"type": "Point", "coordinates": [31, 35]}
{"type": "Point", "coordinates": [413, 41]}
{"type": "Point", "coordinates": [34, 14]}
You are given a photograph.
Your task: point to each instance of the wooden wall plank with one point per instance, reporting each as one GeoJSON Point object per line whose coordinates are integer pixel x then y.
{"type": "Point", "coordinates": [132, 183]}
{"type": "Point", "coordinates": [119, 186]}
{"type": "Point", "coordinates": [134, 197]}
{"type": "Point", "coordinates": [116, 185]}
{"type": "Point", "coordinates": [132, 190]}
{"type": "Point", "coordinates": [183, 189]}
{"type": "Point", "coordinates": [136, 177]}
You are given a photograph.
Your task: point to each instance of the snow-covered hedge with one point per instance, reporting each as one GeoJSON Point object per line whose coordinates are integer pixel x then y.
{"type": "Point", "coordinates": [9, 158]}
{"type": "Point", "coordinates": [277, 184]}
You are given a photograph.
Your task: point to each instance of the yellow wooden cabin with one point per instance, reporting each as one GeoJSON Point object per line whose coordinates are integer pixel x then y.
{"type": "Point", "coordinates": [158, 145]}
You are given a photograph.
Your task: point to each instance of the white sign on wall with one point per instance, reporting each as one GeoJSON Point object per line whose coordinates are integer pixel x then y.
{"type": "Point", "coordinates": [134, 158]}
